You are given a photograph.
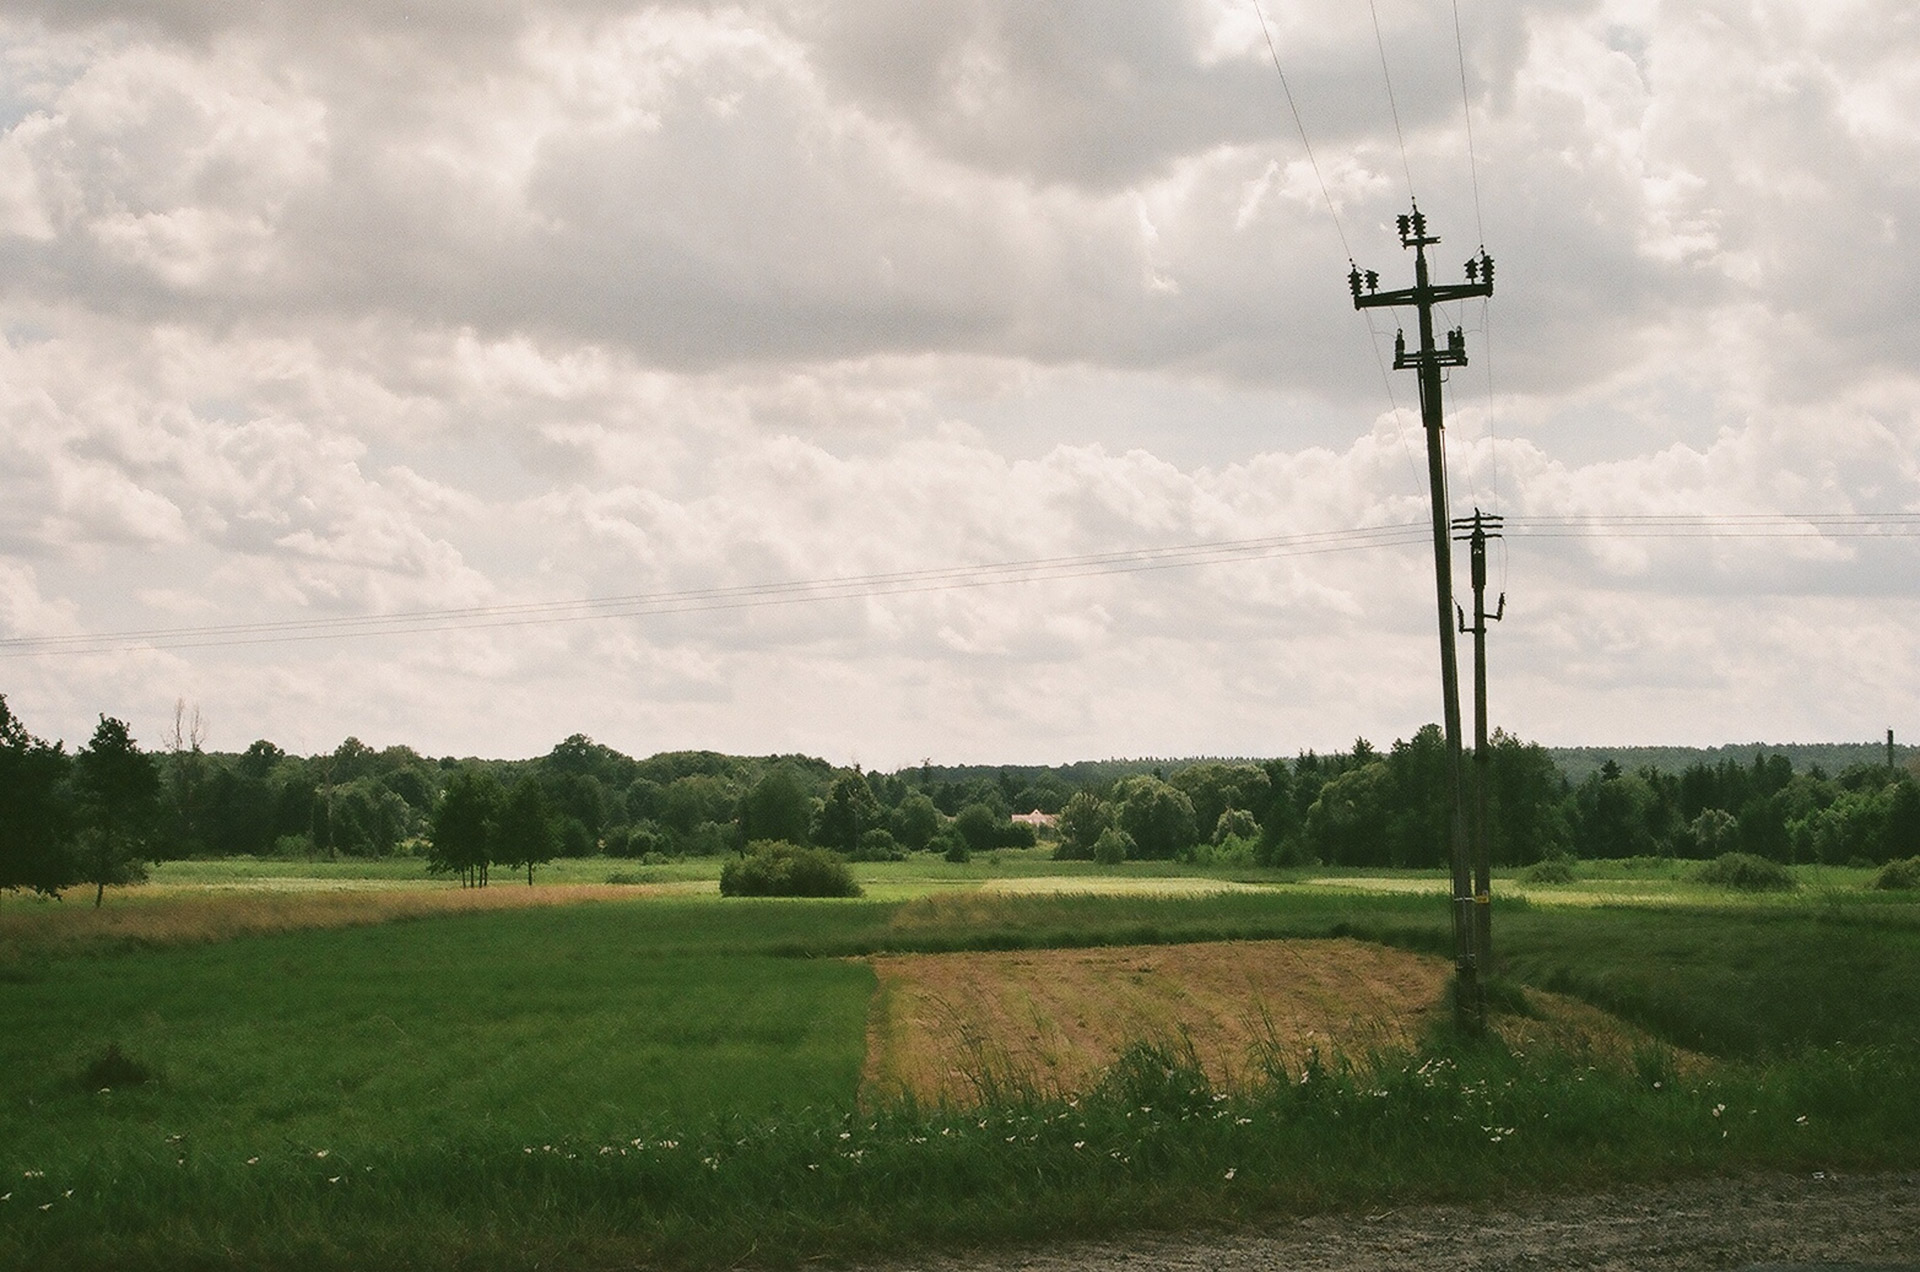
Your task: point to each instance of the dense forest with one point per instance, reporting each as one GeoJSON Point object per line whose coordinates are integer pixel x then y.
{"type": "Point", "coordinates": [99, 814]}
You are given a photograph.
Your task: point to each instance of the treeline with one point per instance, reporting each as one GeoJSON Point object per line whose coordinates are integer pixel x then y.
{"type": "Point", "coordinates": [97, 814]}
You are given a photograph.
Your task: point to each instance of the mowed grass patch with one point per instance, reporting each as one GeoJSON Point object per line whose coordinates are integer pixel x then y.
{"type": "Point", "coordinates": [1732, 980]}
{"type": "Point", "coordinates": [581, 1021]}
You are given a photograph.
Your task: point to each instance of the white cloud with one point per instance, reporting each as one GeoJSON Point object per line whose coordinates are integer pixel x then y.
{"type": "Point", "coordinates": [328, 309]}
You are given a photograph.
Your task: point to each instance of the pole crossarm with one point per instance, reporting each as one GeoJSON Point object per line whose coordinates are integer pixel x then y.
{"type": "Point", "coordinates": [1435, 295]}
{"type": "Point", "coordinates": [1474, 531]}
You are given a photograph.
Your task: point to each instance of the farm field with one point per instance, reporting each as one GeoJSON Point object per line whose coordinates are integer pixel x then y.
{"type": "Point", "coordinates": [247, 1063]}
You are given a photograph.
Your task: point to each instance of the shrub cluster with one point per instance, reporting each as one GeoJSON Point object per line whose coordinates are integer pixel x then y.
{"type": "Point", "coordinates": [1745, 872]}
{"type": "Point", "coordinates": [1901, 874]}
{"type": "Point", "coordinates": [776, 868]}
{"type": "Point", "coordinates": [1558, 868]}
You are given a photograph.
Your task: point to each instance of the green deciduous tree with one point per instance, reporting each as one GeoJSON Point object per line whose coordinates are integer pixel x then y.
{"type": "Point", "coordinates": [850, 810]}
{"type": "Point", "coordinates": [1216, 787]}
{"type": "Point", "coordinates": [461, 833]}
{"type": "Point", "coordinates": [525, 831]}
{"type": "Point", "coordinates": [119, 800]}
{"type": "Point", "coordinates": [915, 822]}
{"type": "Point", "coordinates": [35, 851]}
{"type": "Point", "coordinates": [1114, 846]}
{"type": "Point", "coordinates": [778, 807]}
{"type": "Point", "coordinates": [1083, 820]}
{"type": "Point", "coordinates": [1158, 816]}
{"type": "Point", "coordinates": [1347, 824]}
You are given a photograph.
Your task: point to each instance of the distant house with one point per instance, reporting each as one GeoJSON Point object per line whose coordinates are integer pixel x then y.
{"type": "Point", "coordinates": [1038, 820]}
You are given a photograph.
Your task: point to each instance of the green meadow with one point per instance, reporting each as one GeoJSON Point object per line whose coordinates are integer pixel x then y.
{"type": "Point", "coordinates": [655, 1075]}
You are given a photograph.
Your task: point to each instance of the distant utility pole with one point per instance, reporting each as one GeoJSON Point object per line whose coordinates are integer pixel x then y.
{"type": "Point", "coordinates": [1478, 529]}
{"type": "Point", "coordinates": [1469, 1003]}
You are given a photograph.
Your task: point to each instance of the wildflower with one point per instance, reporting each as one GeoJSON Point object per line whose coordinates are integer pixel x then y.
{"type": "Point", "coordinates": [34, 1174]}
{"type": "Point", "coordinates": [253, 1161]}
{"type": "Point", "coordinates": [47, 1206]}
{"type": "Point", "coordinates": [322, 1152]}
{"type": "Point", "coordinates": [1718, 1109]}
{"type": "Point", "coordinates": [1801, 1120]}
{"type": "Point", "coordinates": [1232, 1171]}
{"type": "Point", "coordinates": [849, 1134]}
{"type": "Point", "coordinates": [1078, 1144]}
{"type": "Point", "coordinates": [334, 1180]}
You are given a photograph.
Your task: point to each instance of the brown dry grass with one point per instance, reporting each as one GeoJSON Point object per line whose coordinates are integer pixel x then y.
{"type": "Point", "coordinates": [189, 916]}
{"type": "Point", "coordinates": [950, 1026]}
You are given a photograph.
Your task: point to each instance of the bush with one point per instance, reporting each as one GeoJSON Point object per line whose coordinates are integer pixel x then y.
{"type": "Point", "coordinates": [1745, 873]}
{"type": "Point", "coordinates": [1901, 874]}
{"type": "Point", "coordinates": [1235, 823]}
{"type": "Point", "coordinates": [878, 844]}
{"type": "Point", "coordinates": [1113, 847]}
{"type": "Point", "coordinates": [1558, 868]}
{"type": "Point", "coordinates": [776, 868]}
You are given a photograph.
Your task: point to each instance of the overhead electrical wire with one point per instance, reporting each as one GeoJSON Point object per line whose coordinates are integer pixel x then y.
{"type": "Point", "coordinates": [1480, 228]}
{"type": "Point", "coordinates": [1333, 214]}
{"type": "Point", "coordinates": [1817, 526]}
{"type": "Point", "coordinates": [1393, 106]}
{"type": "Point", "coordinates": [1466, 114]}
{"type": "Point", "coordinates": [702, 600]}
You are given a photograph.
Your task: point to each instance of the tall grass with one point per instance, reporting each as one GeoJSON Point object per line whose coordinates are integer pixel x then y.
{"type": "Point", "coordinates": [1154, 1145]}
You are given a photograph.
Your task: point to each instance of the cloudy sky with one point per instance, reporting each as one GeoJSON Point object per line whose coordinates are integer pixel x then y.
{"type": "Point", "coordinates": [314, 311]}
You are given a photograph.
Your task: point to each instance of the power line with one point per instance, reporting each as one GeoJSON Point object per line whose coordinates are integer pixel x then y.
{"type": "Point", "coordinates": [1466, 113]}
{"type": "Point", "coordinates": [1393, 107]}
{"type": "Point", "coordinates": [1333, 214]}
{"type": "Point", "coordinates": [1274, 53]}
{"type": "Point", "coordinates": [703, 600]}
{"type": "Point", "coordinates": [1817, 526]}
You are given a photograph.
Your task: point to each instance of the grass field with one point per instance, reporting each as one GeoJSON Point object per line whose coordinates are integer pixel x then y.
{"type": "Point", "coordinates": [353, 1066]}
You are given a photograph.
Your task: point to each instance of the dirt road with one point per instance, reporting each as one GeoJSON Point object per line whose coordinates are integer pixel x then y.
{"type": "Point", "coordinates": [1754, 1222]}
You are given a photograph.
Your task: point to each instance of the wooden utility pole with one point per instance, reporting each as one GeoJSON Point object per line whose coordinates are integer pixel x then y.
{"type": "Point", "coordinates": [1427, 360]}
{"type": "Point", "coordinates": [1478, 529]}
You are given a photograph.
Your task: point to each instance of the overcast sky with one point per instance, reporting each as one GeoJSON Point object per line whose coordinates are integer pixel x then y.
{"type": "Point", "coordinates": [319, 309]}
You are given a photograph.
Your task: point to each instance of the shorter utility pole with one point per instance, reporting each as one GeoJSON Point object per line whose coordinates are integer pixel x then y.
{"type": "Point", "coordinates": [1478, 529]}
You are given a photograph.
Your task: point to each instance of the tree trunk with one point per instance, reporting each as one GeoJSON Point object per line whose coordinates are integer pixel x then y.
{"type": "Point", "coordinates": [99, 891]}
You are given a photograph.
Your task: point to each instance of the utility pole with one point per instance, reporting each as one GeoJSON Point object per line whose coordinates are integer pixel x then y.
{"type": "Point", "coordinates": [1469, 1001]}
{"type": "Point", "coordinates": [1479, 528]}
